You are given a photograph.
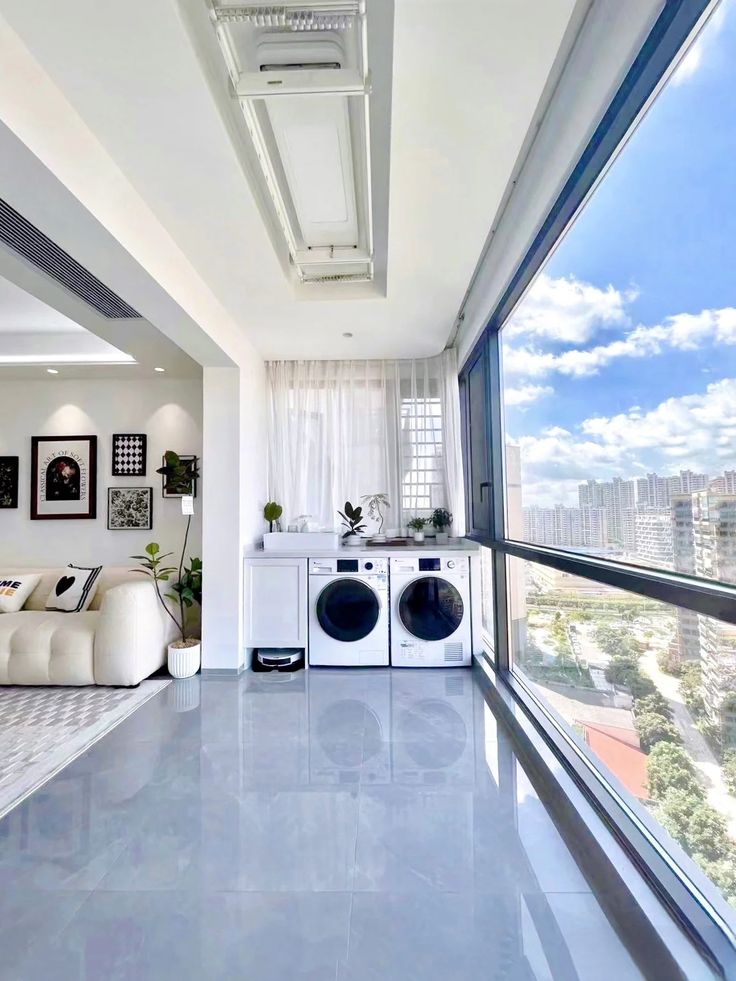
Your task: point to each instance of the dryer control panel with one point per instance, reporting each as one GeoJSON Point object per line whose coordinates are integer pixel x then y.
{"type": "Point", "coordinates": [454, 565]}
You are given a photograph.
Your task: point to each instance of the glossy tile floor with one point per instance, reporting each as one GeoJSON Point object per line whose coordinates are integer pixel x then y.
{"type": "Point", "coordinates": [371, 824]}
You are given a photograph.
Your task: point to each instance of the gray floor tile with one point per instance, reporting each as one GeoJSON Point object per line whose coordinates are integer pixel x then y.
{"type": "Point", "coordinates": [354, 824]}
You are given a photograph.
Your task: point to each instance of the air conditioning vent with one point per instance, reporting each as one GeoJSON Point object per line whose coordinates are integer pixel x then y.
{"type": "Point", "coordinates": [453, 653]}
{"type": "Point", "coordinates": [28, 241]}
{"type": "Point", "coordinates": [301, 66]}
{"type": "Point", "coordinates": [337, 278]}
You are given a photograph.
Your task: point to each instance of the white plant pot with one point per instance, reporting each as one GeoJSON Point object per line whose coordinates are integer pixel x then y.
{"type": "Point", "coordinates": [442, 538]}
{"type": "Point", "coordinates": [184, 661]}
{"type": "Point", "coordinates": [353, 541]}
{"type": "Point", "coordinates": [419, 537]}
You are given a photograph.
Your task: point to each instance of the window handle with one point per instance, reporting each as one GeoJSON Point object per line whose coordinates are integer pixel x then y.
{"type": "Point", "coordinates": [485, 483]}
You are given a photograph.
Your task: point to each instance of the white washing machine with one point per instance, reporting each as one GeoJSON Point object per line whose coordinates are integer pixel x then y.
{"type": "Point", "coordinates": [430, 612]}
{"type": "Point", "coordinates": [348, 612]}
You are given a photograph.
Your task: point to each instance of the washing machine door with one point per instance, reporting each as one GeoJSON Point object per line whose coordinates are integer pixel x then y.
{"type": "Point", "coordinates": [347, 609]}
{"type": "Point", "coordinates": [431, 608]}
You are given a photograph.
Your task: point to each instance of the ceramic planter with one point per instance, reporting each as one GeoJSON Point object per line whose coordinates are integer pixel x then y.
{"type": "Point", "coordinates": [184, 661]}
{"type": "Point", "coordinates": [419, 537]}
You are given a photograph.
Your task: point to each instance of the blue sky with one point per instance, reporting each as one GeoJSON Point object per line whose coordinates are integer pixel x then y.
{"type": "Point", "coordinates": [622, 358]}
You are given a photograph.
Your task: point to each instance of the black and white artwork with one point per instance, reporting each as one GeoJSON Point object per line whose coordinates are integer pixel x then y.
{"type": "Point", "coordinates": [63, 477]}
{"type": "Point", "coordinates": [8, 481]}
{"type": "Point", "coordinates": [129, 508]}
{"type": "Point", "coordinates": [129, 455]}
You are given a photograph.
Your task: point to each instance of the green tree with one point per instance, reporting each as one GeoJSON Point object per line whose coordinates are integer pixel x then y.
{"type": "Point", "coordinates": [655, 703]}
{"type": "Point", "coordinates": [728, 768]}
{"type": "Point", "coordinates": [670, 662]}
{"type": "Point", "coordinates": [722, 873]}
{"type": "Point", "coordinates": [653, 729]}
{"type": "Point", "coordinates": [669, 766]}
{"type": "Point", "coordinates": [691, 686]}
{"type": "Point", "coordinates": [697, 826]}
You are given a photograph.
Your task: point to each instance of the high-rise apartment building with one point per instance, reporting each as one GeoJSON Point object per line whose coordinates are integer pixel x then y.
{"type": "Point", "coordinates": [614, 498]}
{"type": "Point", "coordinates": [563, 527]}
{"type": "Point", "coordinates": [653, 533]}
{"type": "Point", "coordinates": [704, 543]}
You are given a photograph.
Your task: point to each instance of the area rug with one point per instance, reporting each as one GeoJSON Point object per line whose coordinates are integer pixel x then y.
{"type": "Point", "coordinates": [44, 729]}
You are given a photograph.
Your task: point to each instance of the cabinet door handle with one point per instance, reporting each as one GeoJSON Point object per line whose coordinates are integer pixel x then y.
{"type": "Point", "coordinates": [484, 484]}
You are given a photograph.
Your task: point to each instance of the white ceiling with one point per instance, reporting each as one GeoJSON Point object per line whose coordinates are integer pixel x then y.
{"type": "Point", "coordinates": [467, 79]}
{"type": "Point", "coordinates": [19, 312]}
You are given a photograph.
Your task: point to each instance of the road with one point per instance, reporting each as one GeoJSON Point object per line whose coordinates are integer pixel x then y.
{"type": "Point", "coordinates": [693, 742]}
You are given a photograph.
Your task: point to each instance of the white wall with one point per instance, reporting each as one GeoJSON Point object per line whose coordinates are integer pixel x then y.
{"type": "Point", "coordinates": [169, 411]}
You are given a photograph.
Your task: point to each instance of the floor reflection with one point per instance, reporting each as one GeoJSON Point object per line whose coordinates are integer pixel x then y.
{"type": "Point", "coordinates": [350, 824]}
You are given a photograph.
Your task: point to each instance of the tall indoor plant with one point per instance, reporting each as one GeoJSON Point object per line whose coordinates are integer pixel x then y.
{"type": "Point", "coordinates": [184, 581]}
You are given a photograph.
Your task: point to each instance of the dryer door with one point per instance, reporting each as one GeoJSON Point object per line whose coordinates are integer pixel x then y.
{"type": "Point", "coordinates": [347, 609]}
{"type": "Point", "coordinates": [431, 608]}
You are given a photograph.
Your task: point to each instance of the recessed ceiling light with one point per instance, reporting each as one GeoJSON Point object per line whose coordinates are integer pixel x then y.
{"type": "Point", "coordinates": [52, 371]}
{"type": "Point", "coordinates": [347, 334]}
{"type": "Point", "coordinates": [159, 369]}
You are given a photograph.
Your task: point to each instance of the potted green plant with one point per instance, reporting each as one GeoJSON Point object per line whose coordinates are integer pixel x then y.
{"type": "Point", "coordinates": [416, 526]}
{"type": "Point", "coordinates": [352, 520]}
{"type": "Point", "coordinates": [184, 582]}
{"type": "Point", "coordinates": [441, 521]}
{"type": "Point", "coordinates": [375, 502]}
{"type": "Point", "coordinates": [272, 512]}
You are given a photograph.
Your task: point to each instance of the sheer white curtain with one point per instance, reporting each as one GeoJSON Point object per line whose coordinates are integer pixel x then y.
{"type": "Point", "coordinates": [342, 429]}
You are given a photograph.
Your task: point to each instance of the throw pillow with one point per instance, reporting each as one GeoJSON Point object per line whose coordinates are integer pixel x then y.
{"type": "Point", "coordinates": [15, 590]}
{"type": "Point", "coordinates": [75, 590]}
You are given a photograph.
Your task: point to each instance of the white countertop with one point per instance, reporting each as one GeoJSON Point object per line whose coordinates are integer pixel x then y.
{"type": "Point", "coordinates": [462, 546]}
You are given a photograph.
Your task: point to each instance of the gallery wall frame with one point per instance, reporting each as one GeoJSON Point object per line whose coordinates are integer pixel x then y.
{"type": "Point", "coordinates": [9, 469]}
{"type": "Point", "coordinates": [63, 478]}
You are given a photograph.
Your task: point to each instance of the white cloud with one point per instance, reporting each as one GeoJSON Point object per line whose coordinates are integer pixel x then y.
{"type": "Point", "coordinates": [568, 310]}
{"type": "Point", "coordinates": [683, 331]}
{"type": "Point", "coordinates": [525, 394]}
{"type": "Point", "coordinates": [696, 431]}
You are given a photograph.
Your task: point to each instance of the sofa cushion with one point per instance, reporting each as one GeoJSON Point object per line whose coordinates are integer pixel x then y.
{"type": "Point", "coordinates": [111, 575]}
{"type": "Point", "coordinates": [15, 590]}
{"type": "Point", "coordinates": [45, 648]}
{"type": "Point", "coordinates": [74, 590]}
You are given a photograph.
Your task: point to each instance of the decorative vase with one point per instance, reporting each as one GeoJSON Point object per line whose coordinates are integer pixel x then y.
{"type": "Point", "coordinates": [419, 537]}
{"type": "Point", "coordinates": [184, 662]}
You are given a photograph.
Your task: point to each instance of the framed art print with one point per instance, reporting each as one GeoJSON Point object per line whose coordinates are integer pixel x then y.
{"type": "Point", "coordinates": [129, 454]}
{"type": "Point", "coordinates": [9, 481]}
{"type": "Point", "coordinates": [63, 477]}
{"type": "Point", "coordinates": [129, 508]}
{"type": "Point", "coordinates": [186, 487]}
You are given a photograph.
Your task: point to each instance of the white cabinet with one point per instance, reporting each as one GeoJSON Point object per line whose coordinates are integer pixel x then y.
{"type": "Point", "coordinates": [276, 602]}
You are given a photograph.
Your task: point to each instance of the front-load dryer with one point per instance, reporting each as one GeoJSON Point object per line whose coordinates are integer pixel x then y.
{"type": "Point", "coordinates": [348, 612]}
{"type": "Point", "coordinates": [430, 612]}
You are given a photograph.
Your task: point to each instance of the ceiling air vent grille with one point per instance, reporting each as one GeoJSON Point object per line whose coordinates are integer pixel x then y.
{"type": "Point", "coordinates": [33, 245]}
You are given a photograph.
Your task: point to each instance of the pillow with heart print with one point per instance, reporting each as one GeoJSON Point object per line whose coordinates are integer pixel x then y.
{"type": "Point", "coordinates": [15, 590]}
{"type": "Point", "coordinates": [74, 590]}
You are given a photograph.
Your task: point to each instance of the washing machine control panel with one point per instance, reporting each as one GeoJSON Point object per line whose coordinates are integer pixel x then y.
{"type": "Point", "coordinates": [410, 564]}
{"type": "Point", "coordinates": [356, 566]}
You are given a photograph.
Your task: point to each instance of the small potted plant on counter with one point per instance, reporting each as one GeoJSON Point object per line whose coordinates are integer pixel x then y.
{"type": "Point", "coordinates": [374, 503]}
{"type": "Point", "coordinates": [441, 521]}
{"type": "Point", "coordinates": [272, 512]}
{"type": "Point", "coordinates": [416, 526]}
{"type": "Point", "coordinates": [352, 519]}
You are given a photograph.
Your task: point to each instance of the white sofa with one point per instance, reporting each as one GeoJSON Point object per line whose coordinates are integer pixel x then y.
{"type": "Point", "coordinates": [120, 640]}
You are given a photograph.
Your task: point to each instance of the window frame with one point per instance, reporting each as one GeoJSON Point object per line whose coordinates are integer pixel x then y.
{"type": "Point", "coordinates": [690, 897]}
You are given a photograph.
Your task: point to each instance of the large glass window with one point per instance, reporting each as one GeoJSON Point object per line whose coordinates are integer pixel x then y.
{"type": "Point", "coordinates": [619, 366]}
{"type": "Point", "coordinates": [609, 663]}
